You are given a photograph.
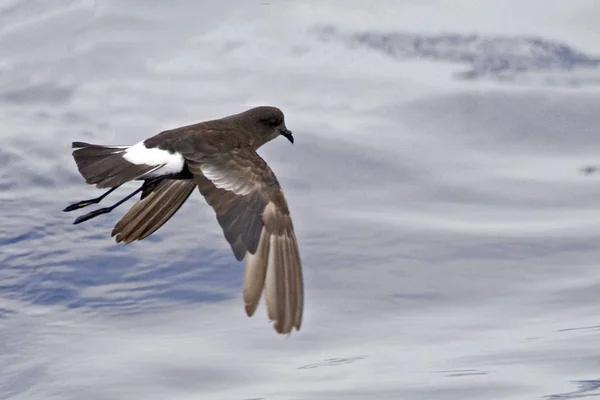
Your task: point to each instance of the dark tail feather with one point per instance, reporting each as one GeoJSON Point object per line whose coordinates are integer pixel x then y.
{"type": "Point", "coordinates": [153, 210]}
{"type": "Point", "coordinates": [105, 166]}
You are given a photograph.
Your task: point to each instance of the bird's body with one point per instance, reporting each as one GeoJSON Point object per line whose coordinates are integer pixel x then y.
{"type": "Point", "coordinates": [219, 157]}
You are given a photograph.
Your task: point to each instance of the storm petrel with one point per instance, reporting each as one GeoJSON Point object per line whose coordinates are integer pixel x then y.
{"type": "Point", "coordinates": [219, 157]}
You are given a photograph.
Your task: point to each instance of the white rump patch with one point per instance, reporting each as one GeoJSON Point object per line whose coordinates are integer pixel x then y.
{"type": "Point", "coordinates": [139, 154]}
{"type": "Point", "coordinates": [228, 180]}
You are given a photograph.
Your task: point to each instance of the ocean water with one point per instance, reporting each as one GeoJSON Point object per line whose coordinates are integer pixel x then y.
{"type": "Point", "coordinates": [442, 185]}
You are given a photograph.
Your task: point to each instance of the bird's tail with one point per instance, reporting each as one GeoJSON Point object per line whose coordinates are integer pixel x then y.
{"type": "Point", "coordinates": [158, 203]}
{"type": "Point", "coordinates": [105, 166]}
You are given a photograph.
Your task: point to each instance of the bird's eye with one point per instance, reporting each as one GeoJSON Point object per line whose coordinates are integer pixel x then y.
{"type": "Point", "coordinates": [270, 121]}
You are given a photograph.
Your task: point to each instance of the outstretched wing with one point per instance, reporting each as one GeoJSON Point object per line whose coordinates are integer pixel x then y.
{"type": "Point", "coordinates": [253, 213]}
{"type": "Point", "coordinates": [159, 202]}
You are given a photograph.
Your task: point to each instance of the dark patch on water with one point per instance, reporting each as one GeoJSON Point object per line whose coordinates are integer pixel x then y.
{"type": "Point", "coordinates": [44, 93]}
{"type": "Point", "coordinates": [29, 235]}
{"type": "Point", "coordinates": [332, 362]}
{"type": "Point", "coordinates": [499, 57]}
{"type": "Point", "coordinates": [457, 373]}
{"type": "Point", "coordinates": [583, 328]}
{"type": "Point", "coordinates": [585, 388]}
{"type": "Point", "coordinates": [590, 169]}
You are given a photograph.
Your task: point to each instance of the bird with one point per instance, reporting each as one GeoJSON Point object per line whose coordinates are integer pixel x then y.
{"type": "Point", "coordinates": [220, 158]}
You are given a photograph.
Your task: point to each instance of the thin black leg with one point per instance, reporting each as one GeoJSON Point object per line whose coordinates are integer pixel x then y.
{"type": "Point", "coordinates": [106, 210]}
{"type": "Point", "coordinates": [85, 203]}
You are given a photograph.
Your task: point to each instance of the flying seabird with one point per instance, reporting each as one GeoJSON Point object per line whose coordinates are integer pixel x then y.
{"type": "Point", "coordinates": [219, 157]}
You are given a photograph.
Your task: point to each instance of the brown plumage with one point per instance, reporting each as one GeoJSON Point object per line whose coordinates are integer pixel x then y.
{"type": "Point", "coordinates": [219, 157]}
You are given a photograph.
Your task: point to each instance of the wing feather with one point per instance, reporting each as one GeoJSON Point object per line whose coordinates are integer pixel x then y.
{"type": "Point", "coordinates": [255, 274]}
{"type": "Point", "coordinates": [252, 211]}
{"type": "Point", "coordinates": [158, 204]}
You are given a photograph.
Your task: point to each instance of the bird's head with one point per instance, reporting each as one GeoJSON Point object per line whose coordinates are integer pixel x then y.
{"type": "Point", "coordinates": [267, 123]}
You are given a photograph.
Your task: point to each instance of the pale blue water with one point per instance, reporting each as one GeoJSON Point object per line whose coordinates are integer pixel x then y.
{"type": "Point", "coordinates": [449, 235]}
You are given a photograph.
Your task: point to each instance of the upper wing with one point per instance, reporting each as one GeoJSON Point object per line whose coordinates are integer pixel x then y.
{"type": "Point", "coordinates": [253, 213]}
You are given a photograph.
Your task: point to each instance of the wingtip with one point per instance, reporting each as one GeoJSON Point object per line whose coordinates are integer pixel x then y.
{"type": "Point", "coordinates": [250, 309]}
{"type": "Point", "coordinates": [119, 238]}
{"type": "Point", "coordinates": [287, 332]}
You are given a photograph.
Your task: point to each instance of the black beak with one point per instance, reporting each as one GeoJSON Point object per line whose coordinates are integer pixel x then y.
{"type": "Point", "coordinates": [287, 134]}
